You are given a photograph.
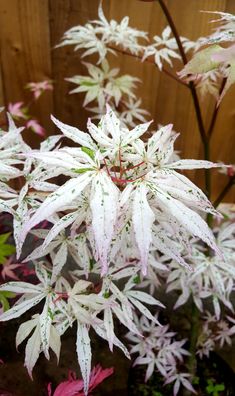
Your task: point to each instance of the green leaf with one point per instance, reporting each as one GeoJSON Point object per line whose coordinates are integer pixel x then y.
{"type": "Point", "coordinates": [5, 249]}
{"type": "Point", "coordinates": [82, 170]}
{"type": "Point", "coordinates": [88, 151]}
{"type": "Point", "coordinates": [4, 237]}
{"type": "Point", "coordinates": [4, 295]}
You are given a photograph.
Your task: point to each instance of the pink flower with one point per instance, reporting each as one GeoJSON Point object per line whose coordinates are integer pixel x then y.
{"type": "Point", "coordinates": [17, 110]}
{"type": "Point", "coordinates": [36, 127]}
{"type": "Point", "coordinates": [74, 387]}
{"type": "Point", "coordinates": [40, 87]}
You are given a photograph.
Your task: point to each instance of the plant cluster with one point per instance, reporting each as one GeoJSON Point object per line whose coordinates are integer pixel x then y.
{"type": "Point", "coordinates": [125, 221]}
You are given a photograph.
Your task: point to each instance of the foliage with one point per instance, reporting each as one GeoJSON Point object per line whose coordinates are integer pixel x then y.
{"type": "Point", "coordinates": [214, 389]}
{"type": "Point", "coordinates": [124, 214]}
{"type": "Point", "coordinates": [5, 248]}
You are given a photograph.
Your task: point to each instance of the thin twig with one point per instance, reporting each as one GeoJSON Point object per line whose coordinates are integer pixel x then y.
{"type": "Point", "coordinates": [174, 30]}
{"type": "Point", "coordinates": [184, 60]}
{"type": "Point", "coordinates": [150, 60]}
{"type": "Point", "coordinates": [224, 192]}
{"type": "Point", "coordinates": [215, 112]}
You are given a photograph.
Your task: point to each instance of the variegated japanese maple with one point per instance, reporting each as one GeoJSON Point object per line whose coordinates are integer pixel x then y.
{"type": "Point", "coordinates": [125, 215]}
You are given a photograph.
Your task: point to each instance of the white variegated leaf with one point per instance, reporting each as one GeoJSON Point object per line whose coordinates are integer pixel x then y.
{"type": "Point", "coordinates": [74, 134]}
{"type": "Point", "coordinates": [32, 350]}
{"type": "Point", "coordinates": [109, 327]}
{"type": "Point", "coordinates": [59, 261]}
{"type": "Point", "coordinates": [18, 309]}
{"type": "Point", "coordinates": [104, 213]}
{"type": "Point", "coordinates": [84, 354]}
{"type": "Point", "coordinates": [57, 200]}
{"type": "Point", "coordinates": [143, 218]}
{"type": "Point", "coordinates": [25, 330]}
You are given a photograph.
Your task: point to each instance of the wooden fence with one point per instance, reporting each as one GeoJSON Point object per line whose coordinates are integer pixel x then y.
{"type": "Point", "coordinates": [30, 29]}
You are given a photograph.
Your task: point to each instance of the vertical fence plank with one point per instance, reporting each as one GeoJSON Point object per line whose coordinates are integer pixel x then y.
{"type": "Point", "coordinates": [25, 52]}
{"type": "Point", "coordinates": [66, 62]}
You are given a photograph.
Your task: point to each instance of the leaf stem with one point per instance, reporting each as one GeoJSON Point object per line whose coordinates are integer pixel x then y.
{"type": "Point", "coordinates": [150, 60]}
{"type": "Point", "coordinates": [215, 113]}
{"type": "Point", "coordinates": [192, 361]}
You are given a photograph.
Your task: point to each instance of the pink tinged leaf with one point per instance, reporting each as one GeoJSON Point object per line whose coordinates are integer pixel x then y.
{"type": "Point", "coordinates": [84, 354]}
{"type": "Point", "coordinates": [225, 55]}
{"type": "Point", "coordinates": [188, 385]}
{"type": "Point", "coordinates": [143, 218]}
{"type": "Point", "coordinates": [176, 387]}
{"type": "Point", "coordinates": [39, 87]}
{"type": "Point", "coordinates": [16, 109]}
{"type": "Point", "coordinates": [32, 351]}
{"type": "Point", "coordinates": [49, 390]}
{"type": "Point", "coordinates": [8, 271]}
{"type": "Point", "coordinates": [98, 375]}
{"type": "Point", "coordinates": [104, 214]}
{"type": "Point", "coordinates": [74, 134]}
{"type": "Point", "coordinates": [36, 127]}
{"type": "Point", "coordinates": [71, 387]}
{"type": "Point", "coordinates": [201, 62]}
{"type": "Point", "coordinates": [57, 200]}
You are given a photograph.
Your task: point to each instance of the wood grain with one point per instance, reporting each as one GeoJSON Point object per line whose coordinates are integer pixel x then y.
{"type": "Point", "coordinates": [26, 53]}
{"type": "Point", "coordinates": [30, 29]}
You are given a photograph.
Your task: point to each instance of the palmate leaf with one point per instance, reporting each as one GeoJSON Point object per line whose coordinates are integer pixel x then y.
{"type": "Point", "coordinates": [5, 249]}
